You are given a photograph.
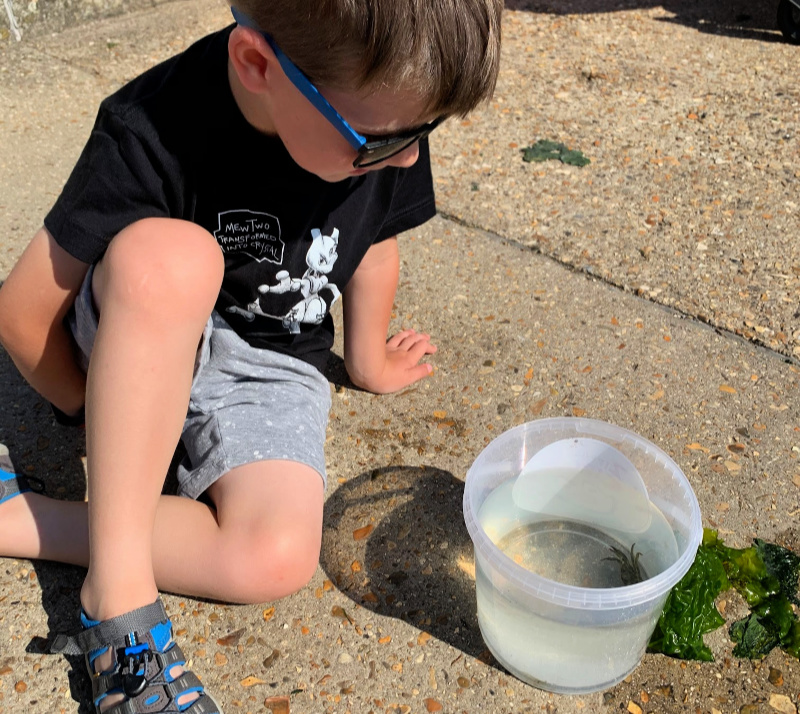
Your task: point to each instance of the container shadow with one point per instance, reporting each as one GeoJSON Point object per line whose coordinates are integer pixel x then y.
{"type": "Point", "coordinates": [395, 542]}
{"type": "Point", "coordinates": [736, 18]}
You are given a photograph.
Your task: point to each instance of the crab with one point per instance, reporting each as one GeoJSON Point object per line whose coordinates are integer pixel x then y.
{"type": "Point", "coordinates": [630, 572]}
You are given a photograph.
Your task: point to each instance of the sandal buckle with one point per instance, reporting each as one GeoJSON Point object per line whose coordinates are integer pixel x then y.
{"type": "Point", "coordinates": [133, 669]}
{"type": "Point", "coordinates": [133, 684]}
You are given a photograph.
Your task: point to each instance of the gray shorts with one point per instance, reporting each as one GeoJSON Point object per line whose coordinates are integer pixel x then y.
{"type": "Point", "coordinates": [246, 404]}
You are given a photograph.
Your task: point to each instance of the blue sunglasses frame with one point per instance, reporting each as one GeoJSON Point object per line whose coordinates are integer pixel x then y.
{"type": "Point", "coordinates": [369, 151]}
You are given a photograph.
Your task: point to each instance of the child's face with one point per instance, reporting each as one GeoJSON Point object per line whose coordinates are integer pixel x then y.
{"type": "Point", "coordinates": [278, 107]}
{"type": "Point", "coordinates": [318, 147]}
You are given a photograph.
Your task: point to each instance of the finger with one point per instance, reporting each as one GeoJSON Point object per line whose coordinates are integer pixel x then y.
{"type": "Point", "coordinates": [395, 340]}
{"type": "Point", "coordinates": [418, 372]}
{"type": "Point", "coordinates": [420, 349]}
{"type": "Point", "coordinates": [415, 338]}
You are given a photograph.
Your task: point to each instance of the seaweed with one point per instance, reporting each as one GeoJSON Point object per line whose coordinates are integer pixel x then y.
{"type": "Point", "coordinates": [766, 576]}
{"type": "Point", "coordinates": [689, 612]}
{"type": "Point", "coordinates": [545, 149]}
{"type": "Point", "coordinates": [766, 627]}
{"type": "Point", "coordinates": [745, 569]}
{"type": "Point", "coordinates": [782, 564]}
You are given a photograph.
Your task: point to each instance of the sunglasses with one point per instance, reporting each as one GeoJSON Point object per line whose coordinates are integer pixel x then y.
{"type": "Point", "coordinates": [371, 149]}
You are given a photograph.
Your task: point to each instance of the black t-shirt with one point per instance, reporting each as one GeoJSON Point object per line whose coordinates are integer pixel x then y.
{"type": "Point", "coordinates": [173, 143]}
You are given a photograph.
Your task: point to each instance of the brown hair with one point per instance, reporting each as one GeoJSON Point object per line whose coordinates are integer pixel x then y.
{"type": "Point", "coordinates": [448, 51]}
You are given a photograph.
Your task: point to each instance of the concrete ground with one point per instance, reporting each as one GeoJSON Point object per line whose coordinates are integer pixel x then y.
{"type": "Point", "coordinates": [656, 288]}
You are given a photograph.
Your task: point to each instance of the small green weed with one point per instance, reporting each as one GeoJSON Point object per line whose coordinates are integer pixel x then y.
{"type": "Point", "coordinates": [547, 150]}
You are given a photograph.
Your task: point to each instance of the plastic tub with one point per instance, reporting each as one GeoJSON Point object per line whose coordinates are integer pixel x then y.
{"type": "Point", "coordinates": [562, 637]}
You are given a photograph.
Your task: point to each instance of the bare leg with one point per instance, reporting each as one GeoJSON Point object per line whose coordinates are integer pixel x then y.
{"type": "Point", "coordinates": [260, 544]}
{"type": "Point", "coordinates": [155, 289]}
{"type": "Point", "coordinates": [38, 527]}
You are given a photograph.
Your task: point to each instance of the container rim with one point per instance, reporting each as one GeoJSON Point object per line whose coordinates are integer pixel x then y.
{"type": "Point", "coordinates": [580, 597]}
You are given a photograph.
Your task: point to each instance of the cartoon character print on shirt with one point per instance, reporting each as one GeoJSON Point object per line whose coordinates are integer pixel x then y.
{"type": "Point", "coordinates": [312, 308]}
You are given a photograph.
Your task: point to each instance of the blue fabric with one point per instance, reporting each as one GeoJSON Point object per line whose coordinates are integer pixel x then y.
{"type": "Point", "coordinates": [162, 635]}
{"type": "Point", "coordinates": [86, 621]}
{"type": "Point", "coordinates": [137, 649]}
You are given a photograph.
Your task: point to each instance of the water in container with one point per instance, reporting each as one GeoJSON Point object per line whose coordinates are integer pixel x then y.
{"type": "Point", "coordinates": [555, 648]}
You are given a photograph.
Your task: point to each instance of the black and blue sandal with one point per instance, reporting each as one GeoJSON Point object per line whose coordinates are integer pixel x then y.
{"type": "Point", "coordinates": [143, 658]}
{"type": "Point", "coordinates": [12, 484]}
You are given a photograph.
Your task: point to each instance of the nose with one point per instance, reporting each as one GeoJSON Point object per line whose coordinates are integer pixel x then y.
{"type": "Point", "coordinates": [406, 158]}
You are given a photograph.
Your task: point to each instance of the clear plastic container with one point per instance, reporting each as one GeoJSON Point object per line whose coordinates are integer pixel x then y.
{"type": "Point", "coordinates": [538, 615]}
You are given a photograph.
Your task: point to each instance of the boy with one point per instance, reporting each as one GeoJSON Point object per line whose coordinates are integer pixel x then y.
{"type": "Point", "coordinates": [220, 207]}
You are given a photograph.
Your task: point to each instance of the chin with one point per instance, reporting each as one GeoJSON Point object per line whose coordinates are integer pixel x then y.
{"type": "Point", "coordinates": [331, 169]}
{"type": "Point", "coordinates": [331, 177]}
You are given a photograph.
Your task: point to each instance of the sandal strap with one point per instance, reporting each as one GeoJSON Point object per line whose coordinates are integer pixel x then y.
{"type": "Point", "coordinates": [12, 484]}
{"type": "Point", "coordinates": [108, 631]}
{"type": "Point", "coordinates": [204, 704]}
{"type": "Point", "coordinates": [187, 682]}
{"type": "Point", "coordinates": [159, 693]}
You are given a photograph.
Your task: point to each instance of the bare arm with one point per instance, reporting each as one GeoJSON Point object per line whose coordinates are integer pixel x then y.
{"type": "Point", "coordinates": [372, 362]}
{"type": "Point", "coordinates": [33, 302]}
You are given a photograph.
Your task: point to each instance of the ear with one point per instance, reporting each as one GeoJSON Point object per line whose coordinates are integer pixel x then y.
{"type": "Point", "coordinates": [252, 58]}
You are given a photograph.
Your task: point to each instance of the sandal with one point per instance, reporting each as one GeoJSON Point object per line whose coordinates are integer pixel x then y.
{"type": "Point", "coordinates": [13, 485]}
{"type": "Point", "coordinates": [144, 655]}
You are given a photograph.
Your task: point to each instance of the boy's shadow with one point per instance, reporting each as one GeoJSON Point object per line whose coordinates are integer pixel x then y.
{"type": "Point", "coordinates": [40, 448]}
{"type": "Point", "coordinates": [394, 541]}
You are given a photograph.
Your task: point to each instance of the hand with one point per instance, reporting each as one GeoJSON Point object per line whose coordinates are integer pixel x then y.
{"type": "Point", "coordinates": [284, 284]}
{"type": "Point", "coordinates": [403, 353]}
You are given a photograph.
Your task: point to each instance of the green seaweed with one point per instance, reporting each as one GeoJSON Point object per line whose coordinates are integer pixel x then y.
{"type": "Point", "coordinates": [745, 569]}
{"type": "Point", "coordinates": [547, 150]}
{"type": "Point", "coordinates": [769, 625]}
{"type": "Point", "coordinates": [765, 575]}
{"type": "Point", "coordinates": [783, 565]}
{"type": "Point", "coordinates": [689, 612]}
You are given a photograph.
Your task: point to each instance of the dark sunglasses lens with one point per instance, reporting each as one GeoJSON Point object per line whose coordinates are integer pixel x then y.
{"type": "Point", "coordinates": [371, 155]}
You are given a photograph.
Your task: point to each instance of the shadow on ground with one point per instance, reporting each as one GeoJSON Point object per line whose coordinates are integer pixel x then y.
{"type": "Point", "coordinates": [39, 447]}
{"type": "Point", "coordinates": [394, 541]}
{"type": "Point", "coordinates": [735, 18]}
{"type": "Point", "coordinates": [61, 586]}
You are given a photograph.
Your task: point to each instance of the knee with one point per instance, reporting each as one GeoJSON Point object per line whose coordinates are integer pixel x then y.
{"type": "Point", "coordinates": [161, 265]}
{"type": "Point", "coordinates": [272, 566]}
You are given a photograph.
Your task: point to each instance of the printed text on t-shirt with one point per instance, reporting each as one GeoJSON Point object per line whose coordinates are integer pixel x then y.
{"type": "Point", "coordinates": [251, 232]}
